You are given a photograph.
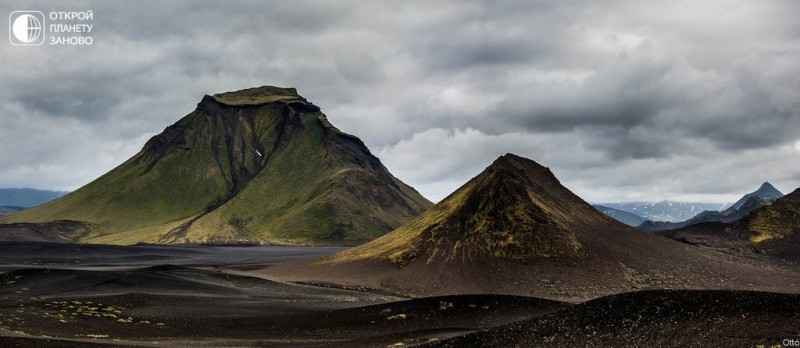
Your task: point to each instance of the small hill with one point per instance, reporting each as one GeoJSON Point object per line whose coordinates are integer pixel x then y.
{"type": "Point", "coordinates": [514, 229]}
{"type": "Point", "coordinates": [622, 216]}
{"type": "Point", "coordinates": [260, 165]}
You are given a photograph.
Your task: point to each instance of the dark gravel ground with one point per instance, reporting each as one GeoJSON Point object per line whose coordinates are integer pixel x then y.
{"type": "Point", "coordinates": [654, 319]}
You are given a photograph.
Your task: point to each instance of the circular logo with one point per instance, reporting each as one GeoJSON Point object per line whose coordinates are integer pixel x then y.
{"type": "Point", "coordinates": [27, 28]}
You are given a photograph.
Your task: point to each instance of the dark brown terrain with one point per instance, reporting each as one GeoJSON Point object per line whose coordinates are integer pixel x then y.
{"type": "Point", "coordinates": [62, 231]}
{"type": "Point", "coordinates": [112, 296]}
{"type": "Point", "coordinates": [654, 319]}
{"type": "Point", "coordinates": [511, 259]}
{"type": "Point", "coordinates": [514, 229]}
{"type": "Point", "coordinates": [115, 297]}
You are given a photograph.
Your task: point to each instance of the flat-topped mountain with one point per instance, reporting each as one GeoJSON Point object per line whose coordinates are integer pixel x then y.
{"type": "Point", "coordinates": [260, 165]}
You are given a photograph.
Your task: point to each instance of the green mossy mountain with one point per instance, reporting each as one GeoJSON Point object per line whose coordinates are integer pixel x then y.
{"type": "Point", "coordinates": [261, 165]}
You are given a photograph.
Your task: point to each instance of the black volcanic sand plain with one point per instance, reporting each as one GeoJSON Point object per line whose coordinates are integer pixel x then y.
{"type": "Point", "coordinates": [107, 296]}
{"type": "Point", "coordinates": [15, 255]}
{"type": "Point", "coordinates": [658, 318]}
{"type": "Point", "coordinates": [119, 296]}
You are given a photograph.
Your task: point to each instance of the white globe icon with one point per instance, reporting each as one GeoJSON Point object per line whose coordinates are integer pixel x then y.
{"type": "Point", "coordinates": [27, 28]}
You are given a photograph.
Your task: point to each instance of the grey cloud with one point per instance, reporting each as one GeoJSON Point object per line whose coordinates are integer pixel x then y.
{"type": "Point", "coordinates": [359, 68]}
{"type": "Point", "coordinates": [623, 99]}
{"type": "Point", "coordinates": [466, 51]}
{"type": "Point", "coordinates": [88, 98]}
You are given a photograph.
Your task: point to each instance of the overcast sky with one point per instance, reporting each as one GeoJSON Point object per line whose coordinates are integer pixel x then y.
{"type": "Point", "coordinates": [623, 100]}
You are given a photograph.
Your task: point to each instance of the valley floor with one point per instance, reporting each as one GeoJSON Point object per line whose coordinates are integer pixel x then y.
{"type": "Point", "coordinates": [55, 295]}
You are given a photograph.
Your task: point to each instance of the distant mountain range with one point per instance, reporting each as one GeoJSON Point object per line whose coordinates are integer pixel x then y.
{"type": "Point", "coordinates": [765, 195]}
{"type": "Point", "coordinates": [664, 211]}
{"type": "Point", "coordinates": [5, 210]}
{"type": "Point", "coordinates": [514, 229]}
{"type": "Point", "coordinates": [622, 216]}
{"type": "Point", "coordinates": [25, 197]}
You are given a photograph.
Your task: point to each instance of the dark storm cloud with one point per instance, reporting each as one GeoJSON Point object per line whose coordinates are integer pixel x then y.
{"type": "Point", "coordinates": [465, 51]}
{"type": "Point", "coordinates": [623, 99]}
{"type": "Point", "coordinates": [627, 96]}
{"type": "Point", "coordinates": [89, 98]}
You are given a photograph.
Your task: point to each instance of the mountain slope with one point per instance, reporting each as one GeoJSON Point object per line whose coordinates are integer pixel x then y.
{"type": "Point", "coordinates": [257, 165]}
{"type": "Point", "coordinates": [514, 229]}
{"type": "Point", "coordinates": [622, 216]}
{"type": "Point", "coordinates": [765, 195]}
